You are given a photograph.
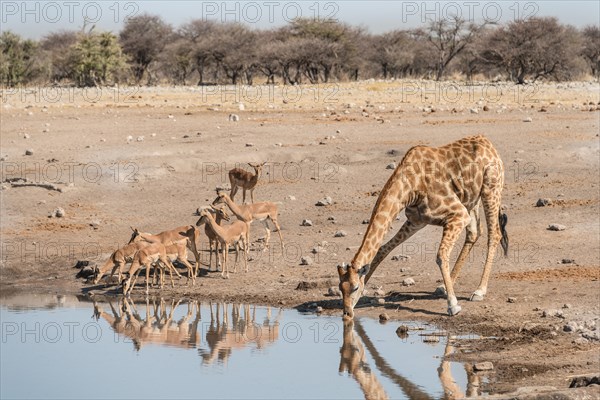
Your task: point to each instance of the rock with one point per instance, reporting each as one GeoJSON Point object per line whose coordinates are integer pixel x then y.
{"type": "Point", "coordinates": [571, 326]}
{"type": "Point", "coordinates": [291, 198]}
{"type": "Point", "coordinates": [408, 282]}
{"type": "Point", "coordinates": [383, 317]}
{"type": "Point", "coordinates": [430, 339]}
{"type": "Point", "coordinates": [81, 263]}
{"type": "Point", "coordinates": [483, 366]}
{"type": "Point", "coordinates": [306, 222]}
{"type": "Point", "coordinates": [26, 136]}
{"type": "Point", "coordinates": [379, 292]}
{"type": "Point", "coordinates": [512, 300]}
{"type": "Point", "coordinates": [28, 152]}
{"type": "Point", "coordinates": [331, 218]}
{"type": "Point", "coordinates": [581, 340]}
{"type": "Point", "coordinates": [58, 213]}
{"type": "Point", "coordinates": [140, 139]}
{"type": "Point", "coordinates": [567, 261]}
{"type": "Point", "coordinates": [391, 166]}
{"type": "Point", "coordinates": [241, 106]}
{"type": "Point", "coordinates": [566, 305]}
{"type": "Point", "coordinates": [234, 118]}
{"type": "Point", "coordinates": [95, 223]}
{"type": "Point", "coordinates": [306, 285]}
{"type": "Point", "coordinates": [591, 335]}
{"type": "Point", "coordinates": [528, 119]}
{"type": "Point", "coordinates": [85, 272]}
{"type": "Point", "coordinates": [474, 111]}
{"type": "Point", "coordinates": [340, 234]}
{"type": "Point", "coordinates": [319, 309]}
{"type": "Point", "coordinates": [324, 201]}
{"type": "Point", "coordinates": [402, 329]}
{"type": "Point", "coordinates": [543, 202]}
{"type": "Point", "coordinates": [306, 260]}
{"type": "Point", "coordinates": [365, 222]}
{"type": "Point", "coordinates": [552, 313]}
{"type": "Point", "coordinates": [486, 108]}
{"type": "Point", "coordinates": [334, 292]}
{"type": "Point", "coordinates": [400, 257]}
{"type": "Point", "coordinates": [379, 301]}
{"type": "Point", "coordinates": [249, 144]}
{"type": "Point", "coordinates": [583, 381]}
{"type": "Point", "coordinates": [556, 227]}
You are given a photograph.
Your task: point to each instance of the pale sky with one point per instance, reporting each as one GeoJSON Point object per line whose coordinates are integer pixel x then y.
{"type": "Point", "coordinates": [34, 19]}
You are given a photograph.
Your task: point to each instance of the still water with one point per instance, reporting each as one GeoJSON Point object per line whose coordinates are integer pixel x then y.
{"type": "Point", "coordinates": [61, 347]}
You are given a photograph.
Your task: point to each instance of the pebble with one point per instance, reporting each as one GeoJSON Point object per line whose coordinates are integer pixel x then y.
{"type": "Point", "coordinates": [365, 222]}
{"type": "Point", "coordinates": [319, 310]}
{"type": "Point", "coordinates": [512, 300]}
{"type": "Point", "coordinates": [474, 111]}
{"type": "Point", "coordinates": [391, 166]}
{"type": "Point", "coordinates": [430, 339]}
{"type": "Point", "coordinates": [552, 313]}
{"type": "Point", "coordinates": [543, 202]}
{"type": "Point", "coordinates": [486, 108]}
{"type": "Point", "coordinates": [408, 282]}
{"type": "Point", "coordinates": [306, 222]}
{"type": "Point", "coordinates": [234, 118]}
{"type": "Point", "coordinates": [291, 198]}
{"type": "Point", "coordinates": [334, 291]}
{"type": "Point", "coordinates": [400, 257]}
{"type": "Point", "coordinates": [483, 366]}
{"type": "Point", "coordinates": [28, 152]}
{"type": "Point", "coordinates": [528, 119]}
{"type": "Point", "coordinates": [402, 329]}
{"type": "Point", "coordinates": [241, 106]}
{"type": "Point", "coordinates": [140, 139]}
{"type": "Point", "coordinates": [324, 201]}
{"type": "Point", "coordinates": [249, 144]}
{"type": "Point", "coordinates": [556, 227]}
{"type": "Point", "coordinates": [571, 327]}
{"type": "Point", "coordinates": [58, 212]}
{"type": "Point", "coordinates": [383, 317]}
{"type": "Point", "coordinates": [306, 260]}
{"type": "Point", "coordinates": [26, 136]}
{"type": "Point", "coordinates": [340, 234]}
{"type": "Point", "coordinates": [567, 305]}
{"type": "Point", "coordinates": [567, 261]}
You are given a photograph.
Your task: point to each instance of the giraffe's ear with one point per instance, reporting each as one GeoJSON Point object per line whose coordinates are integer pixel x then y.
{"type": "Point", "coordinates": [364, 270]}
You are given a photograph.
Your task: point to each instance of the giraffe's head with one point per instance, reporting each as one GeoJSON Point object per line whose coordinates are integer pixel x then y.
{"type": "Point", "coordinates": [352, 285]}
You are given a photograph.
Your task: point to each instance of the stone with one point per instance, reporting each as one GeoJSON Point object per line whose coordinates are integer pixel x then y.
{"type": "Point", "coordinates": [306, 285]}
{"type": "Point", "coordinates": [552, 313]}
{"type": "Point", "coordinates": [571, 326]}
{"type": "Point", "coordinates": [140, 139]}
{"type": "Point", "coordinates": [400, 257]}
{"type": "Point", "coordinates": [512, 300]}
{"type": "Point", "coordinates": [249, 144]}
{"type": "Point", "coordinates": [334, 292]}
{"type": "Point", "coordinates": [408, 282]}
{"type": "Point", "coordinates": [584, 381]}
{"type": "Point", "coordinates": [543, 202]}
{"type": "Point", "coordinates": [306, 222]}
{"type": "Point", "coordinates": [319, 309]}
{"type": "Point", "coordinates": [528, 119]}
{"type": "Point", "coordinates": [567, 261]}
{"type": "Point", "coordinates": [556, 227]}
{"type": "Point", "coordinates": [430, 339]}
{"type": "Point", "coordinates": [28, 152]}
{"type": "Point", "coordinates": [365, 222]}
{"type": "Point", "coordinates": [291, 198]}
{"type": "Point", "coordinates": [566, 305]}
{"type": "Point", "coordinates": [241, 106]}
{"type": "Point", "coordinates": [26, 136]}
{"type": "Point", "coordinates": [474, 111]}
{"type": "Point", "coordinates": [402, 329]}
{"type": "Point", "coordinates": [340, 234]}
{"type": "Point", "coordinates": [234, 118]}
{"type": "Point", "coordinates": [58, 212]}
{"type": "Point", "coordinates": [483, 366]}
{"type": "Point", "coordinates": [326, 201]}
{"type": "Point", "coordinates": [383, 317]}
{"type": "Point", "coordinates": [486, 108]}
{"type": "Point", "coordinates": [379, 292]}
{"type": "Point", "coordinates": [391, 166]}
{"type": "Point", "coordinates": [306, 260]}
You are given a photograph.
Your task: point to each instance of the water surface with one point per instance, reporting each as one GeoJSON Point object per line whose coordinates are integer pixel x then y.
{"type": "Point", "coordinates": [60, 347]}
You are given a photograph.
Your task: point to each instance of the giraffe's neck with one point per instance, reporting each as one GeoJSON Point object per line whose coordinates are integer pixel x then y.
{"type": "Point", "coordinates": [394, 197]}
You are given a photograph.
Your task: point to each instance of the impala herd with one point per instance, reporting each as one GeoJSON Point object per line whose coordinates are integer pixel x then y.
{"type": "Point", "coordinates": [146, 251]}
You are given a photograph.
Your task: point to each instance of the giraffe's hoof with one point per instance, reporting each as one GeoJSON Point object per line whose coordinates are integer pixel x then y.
{"type": "Point", "coordinates": [440, 291]}
{"type": "Point", "coordinates": [477, 296]}
{"type": "Point", "coordinates": [453, 310]}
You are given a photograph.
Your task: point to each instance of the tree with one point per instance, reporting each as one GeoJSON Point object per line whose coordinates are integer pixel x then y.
{"type": "Point", "coordinates": [143, 38]}
{"type": "Point", "coordinates": [96, 59]}
{"type": "Point", "coordinates": [394, 53]}
{"type": "Point", "coordinates": [201, 34]}
{"type": "Point", "coordinates": [57, 49]}
{"type": "Point", "coordinates": [234, 51]}
{"type": "Point", "coordinates": [18, 59]}
{"type": "Point", "coordinates": [591, 48]}
{"type": "Point", "coordinates": [449, 37]}
{"type": "Point", "coordinates": [533, 48]}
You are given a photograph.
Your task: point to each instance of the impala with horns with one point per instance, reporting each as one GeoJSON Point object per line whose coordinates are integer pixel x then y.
{"type": "Point", "coordinates": [239, 177]}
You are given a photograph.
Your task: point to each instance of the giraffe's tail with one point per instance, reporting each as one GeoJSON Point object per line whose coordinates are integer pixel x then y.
{"type": "Point", "coordinates": [503, 219]}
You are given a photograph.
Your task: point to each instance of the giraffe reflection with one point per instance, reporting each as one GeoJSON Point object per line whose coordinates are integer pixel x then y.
{"type": "Point", "coordinates": [353, 359]}
{"type": "Point", "coordinates": [231, 326]}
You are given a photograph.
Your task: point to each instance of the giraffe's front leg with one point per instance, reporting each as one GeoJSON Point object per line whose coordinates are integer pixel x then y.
{"type": "Point", "coordinates": [451, 232]}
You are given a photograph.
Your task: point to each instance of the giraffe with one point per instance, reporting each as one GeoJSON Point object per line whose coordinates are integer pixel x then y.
{"type": "Point", "coordinates": [441, 186]}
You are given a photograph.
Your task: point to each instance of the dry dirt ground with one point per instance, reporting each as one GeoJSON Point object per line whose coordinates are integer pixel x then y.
{"type": "Point", "coordinates": [332, 141]}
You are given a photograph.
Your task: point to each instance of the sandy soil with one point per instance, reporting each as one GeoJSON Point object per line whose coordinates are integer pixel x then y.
{"type": "Point", "coordinates": [331, 140]}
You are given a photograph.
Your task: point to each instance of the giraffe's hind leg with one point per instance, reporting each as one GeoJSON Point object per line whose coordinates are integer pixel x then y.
{"type": "Point", "coordinates": [491, 198]}
{"type": "Point", "coordinates": [473, 233]}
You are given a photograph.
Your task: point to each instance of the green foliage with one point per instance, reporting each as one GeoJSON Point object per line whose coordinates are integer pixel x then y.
{"type": "Point", "coordinates": [18, 63]}
{"type": "Point", "coordinates": [96, 59]}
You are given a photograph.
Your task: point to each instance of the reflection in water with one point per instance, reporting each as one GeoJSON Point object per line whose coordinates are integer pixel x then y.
{"type": "Point", "coordinates": [353, 359]}
{"type": "Point", "coordinates": [232, 326]}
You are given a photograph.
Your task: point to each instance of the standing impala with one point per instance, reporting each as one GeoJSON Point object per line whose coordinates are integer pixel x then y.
{"type": "Point", "coordinates": [244, 179]}
{"type": "Point", "coordinates": [261, 211]}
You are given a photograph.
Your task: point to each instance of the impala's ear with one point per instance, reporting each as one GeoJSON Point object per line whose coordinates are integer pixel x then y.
{"type": "Point", "coordinates": [364, 270]}
{"type": "Point", "coordinates": [132, 228]}
{"type": "Point", "coordinates": [342, 269]}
